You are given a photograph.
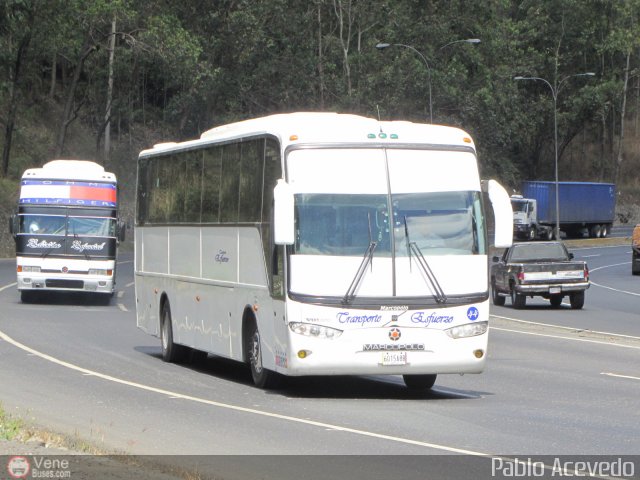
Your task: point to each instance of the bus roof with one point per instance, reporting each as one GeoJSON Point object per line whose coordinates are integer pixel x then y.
{"type": "Point", "coordinates": [70, 170]}
{"type": "Point", "coordinates": [325, 127]}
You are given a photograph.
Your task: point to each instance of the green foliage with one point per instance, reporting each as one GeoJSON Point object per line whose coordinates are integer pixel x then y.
{"type": "Point", "coordinates": [183, 67]}
{"type": "Point", "coordinates": [10, 427]}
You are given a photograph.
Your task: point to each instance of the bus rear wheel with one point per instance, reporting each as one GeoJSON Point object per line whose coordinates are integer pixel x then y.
{"type": "Point", "coordinates": [262, 378]}
{"type": "Point", "coordinates": [171, 352]}
{"type": "Point", "coordinates": [419, 382]}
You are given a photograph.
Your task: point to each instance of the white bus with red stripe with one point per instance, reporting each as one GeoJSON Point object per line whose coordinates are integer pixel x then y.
{"type": "Point", "coordinates": [66, 229]}
{"type": "Point", "coordinates": [318, 244]}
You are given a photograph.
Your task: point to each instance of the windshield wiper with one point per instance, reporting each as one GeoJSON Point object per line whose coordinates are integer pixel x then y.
{"type": "Point", "coordinates": [412, 247]}
{"type": "Point", "coordinates": [366, 260]}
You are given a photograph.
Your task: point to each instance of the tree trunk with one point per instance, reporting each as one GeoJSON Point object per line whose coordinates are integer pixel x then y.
{"type": "Point", "coordinates": [54, 68]}
{"type": "Point", "coordinates": [619, 157]}
{"type": "Point", "coordinates": [107, 113]}
{"type": "Point", "coordinates": [86, 50]}
{"type": "Point", "coordinates": [14, 89]}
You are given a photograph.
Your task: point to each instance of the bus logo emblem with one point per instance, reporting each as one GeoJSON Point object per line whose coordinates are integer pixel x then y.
{"type": "Point", "coordinates": [394, 334]}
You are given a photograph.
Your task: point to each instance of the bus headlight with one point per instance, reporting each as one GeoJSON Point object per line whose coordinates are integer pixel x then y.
{"type": "Point", "coordinates": [28, 269]}
{"type": "Point", "coordinates": [100, 271]}
{"type": "Point", "coordinates": [468, 330]}
{"type": "Point", "coordinates": [311, 330]}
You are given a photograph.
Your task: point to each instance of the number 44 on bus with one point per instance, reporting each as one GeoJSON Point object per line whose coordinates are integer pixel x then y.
{"type": "Point", "coordinates": [319, 244]}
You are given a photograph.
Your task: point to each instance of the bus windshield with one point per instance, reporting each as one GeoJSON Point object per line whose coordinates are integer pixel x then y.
{"type": "Point", "coordinates": [345, 224]}
{"type": "Point", "coordinates": [72, 226]}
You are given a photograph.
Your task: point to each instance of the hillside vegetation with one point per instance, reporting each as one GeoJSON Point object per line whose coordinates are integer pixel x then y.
{"type": "Point", "coordinates": [103, 79]}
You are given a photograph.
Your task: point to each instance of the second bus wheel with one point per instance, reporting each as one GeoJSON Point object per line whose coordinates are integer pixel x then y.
{"type": "Point", "coordinates": [262, 377]}
{"type": "Point", "coordinates": [171, 352]}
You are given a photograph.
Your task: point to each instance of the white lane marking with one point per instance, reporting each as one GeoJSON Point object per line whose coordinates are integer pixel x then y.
{"type": "Point", "coordinates": [129, 285]}
{"type": "Point", "coordinates": [8, 286]}
{"type": "Point", "coordinates": [120, 293]}
{"type": "Point", "coordinates": [591, 256]}
{"type": "Point", "coordinates": [616, 289]}
{"type": "Point", "coordinates": [608, 374]}
{"type": "Point", "coordinates": [608, 266]}
{"type": "Point", "coordinates": [572, 329]}
{"type": "Point", "coordinates": [125, 262]}
{"type": "Point", "coordinates": [584, 340]}
{"type": "Point", "coordinates": [237, 408]}
{"type": "Point", "coordinates": [122, 307]}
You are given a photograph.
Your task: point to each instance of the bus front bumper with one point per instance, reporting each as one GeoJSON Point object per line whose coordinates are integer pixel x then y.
{"type": "Point", "coordinates": [72, 283]}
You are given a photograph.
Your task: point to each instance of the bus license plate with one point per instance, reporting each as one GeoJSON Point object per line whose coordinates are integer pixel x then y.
{"type": "Point", "coordinates": [553, 290]}
{"type": "Point", "coordinates": [394, 358]}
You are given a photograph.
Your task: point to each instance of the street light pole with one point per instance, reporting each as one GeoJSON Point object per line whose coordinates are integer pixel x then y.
{"type": "Point", "coordinates": [554, 93]}
{"type": "Point", "coordinates": [382, 46]}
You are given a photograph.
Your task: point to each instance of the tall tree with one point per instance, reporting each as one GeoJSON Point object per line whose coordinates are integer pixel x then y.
{"type": "Point", "coordinates": [20, 17]}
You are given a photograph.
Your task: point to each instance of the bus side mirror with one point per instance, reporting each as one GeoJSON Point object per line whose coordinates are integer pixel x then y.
{"type": "Point", "coordinates": [13, 225]}
{"type": "Point", "coordinates": [283, 214]}
{"type": "Point", "coordinates": [122, 230]}
{"type": "Point", "coordinates": [503, 214]}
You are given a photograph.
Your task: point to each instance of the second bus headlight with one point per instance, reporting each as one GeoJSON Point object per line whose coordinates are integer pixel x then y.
{"type": "Point", "coordinates": [468, 330]}
{"type": "Point", "coordinates": [312, 330]}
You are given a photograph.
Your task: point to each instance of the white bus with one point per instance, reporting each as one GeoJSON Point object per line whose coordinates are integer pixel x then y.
{"type": "Point", "coordinates": [318, 244]}
{"type": "Point", "coordinates": [66, 229]}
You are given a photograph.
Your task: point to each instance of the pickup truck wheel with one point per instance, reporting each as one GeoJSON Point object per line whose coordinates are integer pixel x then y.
{"type": "Point", "coordinates": [577, 300]}
{"type": "Point", "coordinates": [497, 299]}
{"type": "Point", "coordinates": [556, 300]}
{"type": "Point", "coordinates": [518, 300]}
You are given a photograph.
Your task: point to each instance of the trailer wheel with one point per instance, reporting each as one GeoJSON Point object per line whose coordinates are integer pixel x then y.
{"type": "Point", "coordinates": [549, 235]}
{"type": "Point", "coordinates": [596, 231]}
{"type": "Point", "coordinates": [262, 378]}
{"type": "Point", "coordinates": [171, 352]}
{"type": "Point", "coordinates": [605, 231]}
{"type": "Point", "coordinates": [419, 382]}
{"type": "Point", "coordinates": [577, 300]}
{"type": "Point", "coordinates": [497, 299]}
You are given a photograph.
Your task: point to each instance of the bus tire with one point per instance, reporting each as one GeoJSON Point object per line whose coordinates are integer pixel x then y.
{"type": "Point", "coordinates": [419, 382]}
{"type": "Point", "coordinates": [262, 378]}
{"type": "Point", "coordinates": [171, 352]}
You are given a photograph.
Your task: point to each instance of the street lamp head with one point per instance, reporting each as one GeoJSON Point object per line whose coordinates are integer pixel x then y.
{"type": "Point", "coordinates": [473, 40]}
{"type": "Point", "coordinates": [518, 78]}
{"type": "Point", "coordinates": [382, 46]}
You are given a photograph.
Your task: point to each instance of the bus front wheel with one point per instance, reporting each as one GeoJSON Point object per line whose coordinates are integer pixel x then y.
{"type": "Point", "coordinates": [262, 378]}
{"type": "Point", "coordinates": [171, 352]}
{"type": "Point", "coordinates": [419, 382]}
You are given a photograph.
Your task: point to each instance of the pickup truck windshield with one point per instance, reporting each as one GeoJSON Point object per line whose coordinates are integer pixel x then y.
{"type": "Point", "coordinates": [538, 252]}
